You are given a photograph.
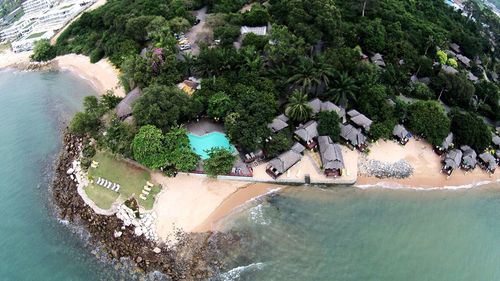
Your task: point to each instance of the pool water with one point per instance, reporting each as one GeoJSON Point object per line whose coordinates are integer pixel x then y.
{"type": "Point", "coordinates": [202, 144]}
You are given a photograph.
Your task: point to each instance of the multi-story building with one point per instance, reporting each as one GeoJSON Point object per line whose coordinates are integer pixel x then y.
{"type": "Point", "coordinates": [36, 6]}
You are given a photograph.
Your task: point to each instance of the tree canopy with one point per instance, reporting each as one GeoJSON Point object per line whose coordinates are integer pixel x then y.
{"type": "Point", "coordinates": [428, 118]}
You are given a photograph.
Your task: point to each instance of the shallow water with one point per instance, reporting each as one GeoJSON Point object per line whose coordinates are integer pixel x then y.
{"type": "Point", "coordinates": [33, 244]}
{"type": "Point", "coordinates": [374, 234]}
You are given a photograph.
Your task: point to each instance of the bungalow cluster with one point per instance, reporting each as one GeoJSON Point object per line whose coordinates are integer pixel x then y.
{"type": "Point", "coordinates": [466, 158]}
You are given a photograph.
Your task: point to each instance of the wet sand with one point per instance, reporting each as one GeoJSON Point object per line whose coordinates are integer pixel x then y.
{"type": "Point", "coordinates": [234, 201]}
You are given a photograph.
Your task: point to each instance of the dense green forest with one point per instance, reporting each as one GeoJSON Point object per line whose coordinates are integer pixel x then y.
{"type": "Point", "coordinates": [315, 48]}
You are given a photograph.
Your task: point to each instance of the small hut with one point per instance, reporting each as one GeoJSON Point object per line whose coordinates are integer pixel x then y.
{"type": "Point", "coordinates": [401, 134]}
{"type": "Point", "coordinates": [125, 107]}
{"type": "Point", "coordinates": [360, 120]}
{"type": "Point", "coordinates": [469, 158]}
{"type": "Point", "coordinates": [353, 136]}
{"type": "Point", "coordinates": [331, 157]}
{"type": "Point", "coordinates": [452, 161]}
{"type": "Point", "coordinates": [279, 165]}
{"type": "Point", "coordinates": [445, 145]}
{"type": "Point", "coordinates": [307, 134]}
{"type": "Point", "coordinates": [487, 162]}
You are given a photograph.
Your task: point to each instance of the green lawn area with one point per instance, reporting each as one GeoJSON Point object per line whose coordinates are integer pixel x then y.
{"type": "Point", "coordinates": [36, 35]}
{"type": "Point", "coordinates": [131, 178]}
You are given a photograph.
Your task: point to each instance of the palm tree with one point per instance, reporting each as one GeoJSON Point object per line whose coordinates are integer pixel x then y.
{"type": "Point", "coordinates": [298, 109]}
{"type": "Point", "coordinates": [343, 89]}
{"type": "Point", "coordinates": [305, 76]}
{"type": "Point", "coordinates": [189, 62]}
{"type": "Point", "coordinates": [323, 73]}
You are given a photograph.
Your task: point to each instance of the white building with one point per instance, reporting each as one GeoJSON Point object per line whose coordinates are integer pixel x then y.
{"type": "Point", "coordinates": [17, 30]}
{"type": "Point", "coordinates": [37, 6]}
{"type": "Point", "coordinates": [41, 22]}
{"type": "Point", "coordinates": [28, 42]}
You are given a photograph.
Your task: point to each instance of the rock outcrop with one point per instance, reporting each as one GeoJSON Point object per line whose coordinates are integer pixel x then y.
{"type": "Point", "coordinates": [196, 255]}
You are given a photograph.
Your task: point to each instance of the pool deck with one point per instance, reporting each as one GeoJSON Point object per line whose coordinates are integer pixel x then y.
{"type": "Point", "coordinates": [204, 126]}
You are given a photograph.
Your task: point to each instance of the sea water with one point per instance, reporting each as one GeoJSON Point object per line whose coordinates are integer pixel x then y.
{"type": "Point", "coordinates": [345, 233]}
{"type": "Point", "coordinates": [34, 245]}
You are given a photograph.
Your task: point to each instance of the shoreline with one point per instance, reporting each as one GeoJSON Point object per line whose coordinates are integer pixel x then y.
{"type": "Point", "coordinates": [102, 75]}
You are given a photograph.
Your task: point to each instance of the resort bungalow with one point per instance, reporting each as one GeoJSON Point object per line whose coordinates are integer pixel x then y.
{"type": "Point", "coordinates": [445, 145]}
{"type": "Point", "coordinates": [495, 140]}
{"type": "Point", "coordinates": [469, 160]}
{"type": "Point", "coordinates": [297, 147]}
{"type": "Point", "coordinates": [473, 78]}
{"type": "Point", "coordinates": [318, 106]}
{"type": "Point", "coordinates": [452, 161]}
{"type": "Point", "coordinates": [307, 134]}
{"type": "Point", "coordinates": [190, 85]}
{"type": "Point", "coordinates": [424, 80]}
{"type": "Point", "coordinates": [401, 134]}
{"type": "Point", "coordinates": [282, 163]}
{"type": "Point", "coordinates": [124, 108]}
{"type": "Point", "coordinates": [449, 69]}
{"type": "Point", "coordinates": [353, 136]}
{"type": "Point", "coordinates": [464, 60]}
{"type": "Point", "coordinates": [378, 60]}
{"type": "Point", "coordinates": [455, 47]}
{"type": "Point", "coordinates": [279, 123]}
{"type": "Point", "coordinates": [360, 120]}
{"type": "Point", "coordinates": [487, 162]}
{"type": "Point", "coordinates": [331, 157]}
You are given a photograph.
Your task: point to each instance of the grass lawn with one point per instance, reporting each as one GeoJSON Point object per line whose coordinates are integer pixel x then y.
{"type": "Point", "coordinates": [131, 178]}
{"type": "Point", "coordinates": [36, 35]}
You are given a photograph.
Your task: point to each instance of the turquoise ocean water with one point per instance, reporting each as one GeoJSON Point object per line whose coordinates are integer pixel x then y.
{"type": "Point", "coordinates": [34, 245]}
{"type": "Point", "coordinates": [374, 234]}
{"type": "Point", "coordinates": [303, 233]}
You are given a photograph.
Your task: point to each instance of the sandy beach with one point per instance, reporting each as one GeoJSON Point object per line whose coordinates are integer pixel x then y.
{"type": "Point", "coordinates": [102, 75]}
{"type": "Point", "coordinates": [193, 203]}
{"type": "Point", "coordinates": [427, 167]}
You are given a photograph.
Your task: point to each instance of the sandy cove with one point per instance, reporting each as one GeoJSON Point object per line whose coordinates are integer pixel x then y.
{"type": "Point", "coordinates": [427, 167]}
{"type": "Point", "coordinates": [102, 75]}
{"type": "Point", "coordinates": [192, 203]}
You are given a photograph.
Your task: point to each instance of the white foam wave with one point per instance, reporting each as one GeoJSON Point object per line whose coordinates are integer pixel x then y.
{"type": "Point", "coordinates": [63, 222]}
{"type": "Point", "coordinates": [235, 273]}
{"type": "Point", "coordinates": [257, 215]}
{"type": "Point", "coordinates": [397, 186]}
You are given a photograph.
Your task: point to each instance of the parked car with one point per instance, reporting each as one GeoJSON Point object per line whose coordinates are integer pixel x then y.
{"type": "Point", "coordinates": [185, 47]}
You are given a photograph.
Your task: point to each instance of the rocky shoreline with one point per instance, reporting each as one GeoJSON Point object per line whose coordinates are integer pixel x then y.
{"type": "Point", "coordinates": [196, 255]}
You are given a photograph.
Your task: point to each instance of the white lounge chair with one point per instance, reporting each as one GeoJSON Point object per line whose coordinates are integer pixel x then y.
{"type": "Point", "coordinates": [108, 186]}
{"type": "Point", "coordinates": [142, 197]}
{"type": "Point", "coordinates": [117, 188]}
{"type": "Point", "coordinates": [148, 189]}
{"type": "Point", "coordinates": [145, 192]}
{"type": "Point", "coordinates": [149, 184]}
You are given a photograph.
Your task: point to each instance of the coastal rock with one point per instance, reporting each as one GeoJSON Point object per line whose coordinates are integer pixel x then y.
{"type": "Point", "coordinates": [399, 170]}
{"type": "Point", "coordinates": [193, 255]}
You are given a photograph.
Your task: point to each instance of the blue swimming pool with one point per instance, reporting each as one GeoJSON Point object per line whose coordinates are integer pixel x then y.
{"type": "Point", "coordinates": [202, 144]}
